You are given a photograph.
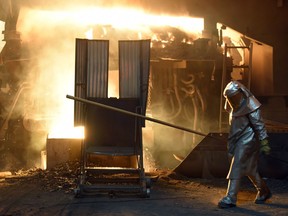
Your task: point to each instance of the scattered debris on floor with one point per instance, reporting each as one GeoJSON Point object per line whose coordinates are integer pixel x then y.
{"type": "Point", "coordinates": [62, 177]}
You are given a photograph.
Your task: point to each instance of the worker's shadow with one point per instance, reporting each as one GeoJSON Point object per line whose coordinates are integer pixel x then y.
{"type": "Point", "coordinates": [245, 211]}
{"type": "Point", "coordinates": [277, 205]}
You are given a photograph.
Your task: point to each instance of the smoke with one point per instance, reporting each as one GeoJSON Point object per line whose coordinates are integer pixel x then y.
{"type": "Point", "coordinates": [51, 47]}
{"type": "Point", "coordinates": [48, 32]}
{"type": "Point", "coordinates": [49, 44]}
{"type": "Point", "coordinates": [160, 6]}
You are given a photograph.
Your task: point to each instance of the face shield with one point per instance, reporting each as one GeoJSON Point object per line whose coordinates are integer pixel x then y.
{"type": "Point", "coordinates": [236, 100]}
{"type": "Point", "coordinates": [234, 95]}
{"type": "Point", "coordinates": [239, 99]}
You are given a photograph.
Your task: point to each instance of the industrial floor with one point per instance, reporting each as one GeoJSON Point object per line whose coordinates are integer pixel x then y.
{"type": "Point", "coordinates": [39, 192]}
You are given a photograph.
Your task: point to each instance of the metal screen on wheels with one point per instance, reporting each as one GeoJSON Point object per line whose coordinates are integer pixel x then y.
{"type": "Point", "coordinates": [113, 139]}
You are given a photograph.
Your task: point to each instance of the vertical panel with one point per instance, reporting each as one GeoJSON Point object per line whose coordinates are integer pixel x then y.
{"type": "Point", "coordinates": [129, 69]}
{"type": "Point", "coordinates": [145, 65]}
{"type": "Point", "coordinates": [262, 71]}
{"type": "Point", "coordinates": [134, 66]}
{"type": "Point", "coordinates": [80, 79]}
{"type": "Point", "coordinates": [97, 68]}
{"type": "Point", "coordinates": [91, 73]}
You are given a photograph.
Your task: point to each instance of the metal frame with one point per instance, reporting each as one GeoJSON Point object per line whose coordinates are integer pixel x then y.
{"type": "Point", "coordinates": [103, 176]}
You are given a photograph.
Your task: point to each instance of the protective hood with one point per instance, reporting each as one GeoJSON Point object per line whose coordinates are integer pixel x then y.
{"type": "Point", "coordinates": [249, 105]}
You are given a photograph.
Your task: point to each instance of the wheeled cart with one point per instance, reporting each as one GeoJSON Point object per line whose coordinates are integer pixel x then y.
{"type": "Point", "coordinates": [112, 150]}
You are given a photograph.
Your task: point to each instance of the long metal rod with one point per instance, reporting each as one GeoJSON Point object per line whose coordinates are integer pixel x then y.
{"type": "Point", "coordinates": [150, 119]}
{"type": "Point", "coordinates": [135, 114]}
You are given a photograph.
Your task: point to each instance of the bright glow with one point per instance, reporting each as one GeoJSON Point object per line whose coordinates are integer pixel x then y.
{"type": "Point", "coordinates": [51, 35]}
{"type": "Point", "coordinates": [120, 17]}
{"type": "Point", "coordinates": [59, 131]}
{"type": "Point", "coordinates": [89, 34]}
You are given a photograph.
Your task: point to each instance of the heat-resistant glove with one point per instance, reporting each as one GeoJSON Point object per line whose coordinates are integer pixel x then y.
{"type": "Point", "coordinates": [264, 146]}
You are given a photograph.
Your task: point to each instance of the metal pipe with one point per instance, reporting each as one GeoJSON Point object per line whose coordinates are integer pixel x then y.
{"type": "Point", "coordinates": [134, 114]}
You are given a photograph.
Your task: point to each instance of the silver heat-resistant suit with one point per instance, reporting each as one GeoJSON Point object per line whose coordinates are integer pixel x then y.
{"type": "Point", "coordinates": [247, 137]}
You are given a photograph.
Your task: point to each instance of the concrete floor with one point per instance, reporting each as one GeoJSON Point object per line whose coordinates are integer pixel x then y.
{"type": "Point", "coordinates": [44, 194]}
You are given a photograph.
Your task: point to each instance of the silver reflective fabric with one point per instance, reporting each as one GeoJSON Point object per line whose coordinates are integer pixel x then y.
{"type": "Point", "coordinates": [250, 104]}
{"type": "Point", "coordinates": [246, 127]}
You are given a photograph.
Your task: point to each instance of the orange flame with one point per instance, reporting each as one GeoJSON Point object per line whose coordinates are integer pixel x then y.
{"type": "Point", "coordinates": [56, 63]}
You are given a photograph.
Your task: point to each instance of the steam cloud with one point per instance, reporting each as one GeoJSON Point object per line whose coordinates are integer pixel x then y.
{"type": "Point", "coordinates": [48, 30]}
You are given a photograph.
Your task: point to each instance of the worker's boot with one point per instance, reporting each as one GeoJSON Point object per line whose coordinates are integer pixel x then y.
{"type": "Point", "coordinates": [231, 196]}
{"type": "Point", "coordinates": [263, 191]}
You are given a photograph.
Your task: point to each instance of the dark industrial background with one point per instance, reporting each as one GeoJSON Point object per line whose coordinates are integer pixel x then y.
{"type": "Point", "coordinates": [263, 23]}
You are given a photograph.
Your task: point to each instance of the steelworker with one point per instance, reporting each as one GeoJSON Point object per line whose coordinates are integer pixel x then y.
{"type": "Point", "coordinates": [247, 138]}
